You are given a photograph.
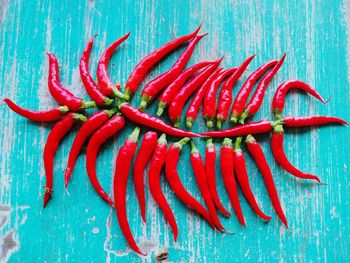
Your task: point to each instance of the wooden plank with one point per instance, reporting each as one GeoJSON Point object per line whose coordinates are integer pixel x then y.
{"type": "Point", "coordinates": [78, 226]}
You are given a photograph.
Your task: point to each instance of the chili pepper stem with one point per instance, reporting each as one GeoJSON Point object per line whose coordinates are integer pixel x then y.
{"type": "Point", "coordinates": [128, 93]}
{"type": "Point", "coordinates": [177, 122]}
{"type": "Point", "coordinates": [278, 114]}
{"type": "Point", "coordinates": [108, 101]}
{"type": "Point", "coordinates": [145, 100]}
{"type": "Point", "coordinates": [134, 135]}
{"type": "Point", "coordinates": [88, 104]}
{"type": "Point", "coordinates": [79, 117]}
{"type": "Point", "coordinates": [182, 142]}
{"type": "Point", "coordinates": [162, 139]}
{"type": "Point", "coordinates": [278, 129]}
{"type": "Point", "coordinates": [120, 95]}
{"type": "Point", "coordinates": [227, 141]}
{"type": "Point", "coordinates": [210, 142]}
{"type": "Point", "coordinates": [249, 139]}
{"type": "Point", "coordinates": [189, 122]}
{"type": "Point", "coordinates": [210, 122]}
{"type": "Point", "coordinates": [193, 147]}
{"type": "Point", "coordinates": [234, 118]}
{"type": "Point", "coordinates": [111, 112]}
{"type": "Point", "coordinates": [219, 122]}
{"type": "Point", "coordinates": [244, 115]}
{"type": "Point", "coordinates": [161, 108]}
{"type": "Point", "coordinates": [63, 109]}
{"type": "Point", "coordinates": [238, 144]}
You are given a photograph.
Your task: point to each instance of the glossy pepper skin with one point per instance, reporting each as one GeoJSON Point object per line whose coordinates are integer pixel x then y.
{"type": "Point", "coordinates": [228, 176]}
{"type": "Point", "coordinates": [108, 88]}
{"type": "Point", "coordinates": [52, 115]}
{"type": "Point", "coordinates": [201, 179]}
{"type": "Point", "coordinates": [141, 69]}
{"type": "Point", "coordinates": [106, 131]}
{"type": "Point", "coordinates": [91, 87]}
{"type": "Point", "coordinates": [152, 88]}
{"type": "Point", "coordinates": [250, 128]}
{"type": "Point", "coordinates": [209, 165]}
{"type": "Point", "coordinates": [61, 94]}
{"type": "Point", "coordinates": [145, 119]}
{"type": "Point", "coordinates": [242, 178]}
{"type": "Point", "coordinates": [311, 121]}
{"type": "Point", "coordinates": [89, 127]}
{"type": "Point", "coordinates": [196, 102]}
{"type": "Point", "coordinates": [123, 162]}
{"type": "Point", "coordinates": [157, 163]}
{"type": "Point", "coordinates": [255, 102]}
{"type": "Point", "coordinates": [209, 102]}
{"type": "Point", "coordinates": [58, 131]}
{"type": "Point", "coordinates": [148, 144]}
{"type": "Point", "coordinates": [243, 93]}
{"type": "Point", "coordinates": [225, 97]}
{"type": "Point", "coordinates": [177, 105]}
{"type": "Point", "coordinates": [169, 92]}
{"type": "Point", "coordinates": [281, 158]}
{"type": "Point", "coordinates": [172, 158]}
{"type": "Point", "coordinates": [278, 100]}
{"type": "Point", "coordinates": [258, 155]}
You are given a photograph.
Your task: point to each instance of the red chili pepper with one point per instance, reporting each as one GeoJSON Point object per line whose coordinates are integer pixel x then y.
{"type": "Point", "coordinates": [196, 102]}
{"type": "Point", "coordinates": [54, 114]}
{"type": "Point", "coordinates": [59, 93]}
{"type": "Point", "coordinates": [201, 178]}
{"type": "Point", "coordinates": [257, 99]}
{"type": "Point", "coordinates": [242, 177]}
{"type": "Point", "coordinates": [123, 162]}
{"type": "Point", "coordinates": [89, 127]}
{"type": "Point", "coordinates": [175, 183]}
{"type": "Point", "coordinates": [148, 120]}
{"type": "Point", "coordinates": [91, 87]}
{"type": "Point", "coordinates": [107, 87]}
{"type": "Point", "coordinates": [158, 160]}
{"type": "Point", "coordinates": [280, 94]}
{"type": "Point", "coordinates": [225, 98]}
{"type": "Point", "coordinates": [177, 105]}
{"type": "Point", "coordinates": [228, 176]}
{"type": "Point", "coordinates": [311, 121]}
{"type": "Point", "coordinates": [209, 103]}
{"type": "Point", "coordinates": [141, 69]}
{"type": "Point", "coordinates": [169, 92]}
{"type": "Point", "coordinates": [209, 164]}
{"type": "Point", "coordinates": [149, 142]}
{"type": "Point", "coordinates": [258, 155]}
{"type": "Point", "coordinates": [152, 88]}
{"type": "Point", "coordinates": [58, 131]}
{"type": "Point", "coordinates": [250, 128]}
{"type": "Point", "coordinates": [281, 158]}
{"type": "Point", "coordinates": [107, 130]}
{"type": "Point", "coordinates": [243, 93]}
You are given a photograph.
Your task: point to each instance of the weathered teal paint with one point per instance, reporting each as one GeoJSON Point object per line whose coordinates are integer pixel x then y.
{"type": "Point", "coordinates": [78, 227]}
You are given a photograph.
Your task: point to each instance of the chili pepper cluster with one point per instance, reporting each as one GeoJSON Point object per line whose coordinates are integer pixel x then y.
{"type": "Point", "coordinates": [200, 85]}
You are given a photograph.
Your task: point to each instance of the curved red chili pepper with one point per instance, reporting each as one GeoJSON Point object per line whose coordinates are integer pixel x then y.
{"type": "Point", "coordinates": [209, 164]}
{"type": "Point", "coordinates": [123, 162]}
{"type": "Point", "coordinates": [311, 121]}
{"type": "Point", "coordinates": [209, 102]}
{"type": "Point", "coordinates": [89, 127]}
{"type": "Point", "coordinates": [280, 94]}
{"type": "Point", "coordinates": [58, 131]}
{"type": "Point", "coordinates": [201, 179]}
{"type": "Point", "coordinates": [148, 144]}
{"type": "Point", "coordinates": [169, 92]}
{"type": "Point", "coordinates": [281, 158]}
{"type": "Point", "coordinates": [243, 93]}
{"type": "Point", "coordinates": [54, 114]}
{"type": "Point", "coordinates": [196, 102]}
{"type": "Point", "coordinates": [141, 69]}
{"type": "Point", "coordinates": [250, 128]}
{"type": "Point", "coordinates": [105, 83]}
{"type": "Point", "coordinates": [175, 183]}
{"type": "Point", "coordinates": [157, 162]}
{"type": "Point", "coordinates": [59, 93]}
{"type": "Point", "coordinates": [145, 119]}
{"type": "Point", "coordinates": [177, 105]}
{"type": "Point", "coordinates": [228, 176]}
{"type": "Point", "coordinates": [225, 97]}
{"type": "Point", "coordinates": [258, 155]}
{"type": "Point", "coordinates": [107, 130]}
{"type": "Point", "coordinates": [91, 87]}
{"type": "Point", "coordinates": [152, 88]}
{"type": "Point", "coordinates": [242, 178]}
{"type": "Point", "coordinates": [257, 99]}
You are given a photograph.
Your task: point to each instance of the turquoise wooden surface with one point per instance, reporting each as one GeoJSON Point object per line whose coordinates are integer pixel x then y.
{"type": "Point", "coordinates": [78, 227]}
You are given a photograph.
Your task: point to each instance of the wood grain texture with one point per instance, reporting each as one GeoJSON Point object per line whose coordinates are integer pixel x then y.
{"type": "Point", "coordinates": [78, 227]}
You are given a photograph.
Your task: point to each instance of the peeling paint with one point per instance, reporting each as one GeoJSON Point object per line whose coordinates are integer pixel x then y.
{"type": "Point", "coordinates": [8, 245]}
